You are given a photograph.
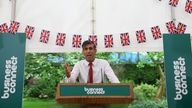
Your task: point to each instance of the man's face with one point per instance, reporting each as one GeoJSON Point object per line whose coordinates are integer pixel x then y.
{"type": "Point", "coordinates": [89, 52]}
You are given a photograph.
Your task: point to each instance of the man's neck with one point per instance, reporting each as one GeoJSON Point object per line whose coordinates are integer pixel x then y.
{"type": "Point", "coordinates": [91, 61]}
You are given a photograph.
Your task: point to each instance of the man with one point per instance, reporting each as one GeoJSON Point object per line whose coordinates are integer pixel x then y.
{"type": "Point", "coordinates": [90, 70]}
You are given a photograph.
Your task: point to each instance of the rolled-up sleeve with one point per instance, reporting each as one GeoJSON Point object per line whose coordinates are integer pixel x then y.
{"type": "Point", "coordinates": [110, 73]}
{"type": "Point", "coordinates": [74, 74]}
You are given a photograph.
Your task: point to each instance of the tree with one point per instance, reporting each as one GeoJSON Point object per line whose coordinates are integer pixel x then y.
{"type": "Point", "coordinates": [156, 59]}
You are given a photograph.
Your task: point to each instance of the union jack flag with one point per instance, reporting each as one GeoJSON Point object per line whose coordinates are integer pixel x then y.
{"type": "Point", "coordinates": [77, 41]}
{"type": "Point", "coordinates": [44, 36]}
{"type": "Point", "coordinates": [173, 2]}
{"type": "Point", "coordinates": [171, 27]}
{"type": "Point", "coordinates": [125, 39]}
{"type": "Point", "coordinates": [188, 6]}
{"type": "Point", "coordinates": [93, 38]}
{"type": "Point", "coordinates": [181, 28]}
{"type": "Point", "coordinates": [60, 39]}
{"type": "Point", "coordinates": [140, 36]}
{"type": "Point", "coordinates": [4, 28]}
{"type": "Point", "coordinates": [14, 27]}
{"type": "Point", "coordinates": [108, 41]}
{"type": "Point", "coordinates": [156, 32]}
{"type": "Point", "coordinates": [29, 30]}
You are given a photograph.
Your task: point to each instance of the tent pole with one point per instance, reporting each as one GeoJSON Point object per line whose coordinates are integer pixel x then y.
{"type": "Point", "coordinates": [13, 9]}
{"type": "Point", "coordinates": [173, 14]}
{"type": "Point", "coordinates": [93, 19]}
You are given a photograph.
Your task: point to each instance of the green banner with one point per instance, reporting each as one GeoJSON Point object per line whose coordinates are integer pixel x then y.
{"type": "Point", "coordinates": [178, 70]}
{"type": "Point", "coordinates": [12, 53]}
{"type": "Point", "coordinates": [94, 90]}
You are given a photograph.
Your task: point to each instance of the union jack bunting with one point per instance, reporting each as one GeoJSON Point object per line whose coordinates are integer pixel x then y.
{"type": "Point", "coordinates": [44, 36]}
{"type": "Point", "coordinates": [29, 30]}
{"type": "Point", "coordinates": [108, 41]}
{"type": "Point", "coordinates": [140, 36]}
{"type": "Point", "coordinates": [60, 39]}
{"type": "Point", "coordinates": [4, 28]}
{"type": "Point", "coordinates": [188, 6]}
{"type": "Point", "coordinates": [156, 32]}
{"type": "Point", "coordinates": [181, 28]}
{"type": "Point", "coordinates": [77, 41]}
{"type": "Point", "coordinates": [14, 27]}
{"type": "Point", "coordinates": [125, 39]}
{"type": "Point", "coordinates": [173, 2]}
{"type": "Point", "coordinates": [93, 38]}
{"type": "Point", "coordinates": [171, 27]}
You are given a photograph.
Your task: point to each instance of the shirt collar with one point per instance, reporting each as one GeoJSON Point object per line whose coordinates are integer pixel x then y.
{"type": "Point", "coordinates": [94, 62]}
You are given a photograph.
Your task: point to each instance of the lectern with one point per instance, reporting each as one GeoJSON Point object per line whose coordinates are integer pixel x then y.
{"type": "Point", "coordinates": [94, 94]}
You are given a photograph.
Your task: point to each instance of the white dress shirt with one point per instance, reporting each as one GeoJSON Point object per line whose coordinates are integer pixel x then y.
{"type": "Point", "coordinates": [101, 68]}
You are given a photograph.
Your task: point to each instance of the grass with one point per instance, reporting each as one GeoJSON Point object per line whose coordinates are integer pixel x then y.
{"type": "Point", "coordinates": [37, 103]}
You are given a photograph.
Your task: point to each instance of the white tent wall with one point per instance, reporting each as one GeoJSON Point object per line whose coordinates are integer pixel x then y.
{"type": "Point", "coordinates": [120, 16]}
{"type": "Point", "coordinates": [182, 16]}
{"type": "Point", "coordinates": [65, 16]}
{"type": "Point", "coordinates": [5, 11]}
{"type": "Point", "coordinates": [75, 17]}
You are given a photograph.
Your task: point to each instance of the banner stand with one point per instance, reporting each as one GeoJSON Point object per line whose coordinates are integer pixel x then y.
{"type": "Point", "coordinates": [178, 70]}
{"type": "Point", "coordinates": [12, 54]}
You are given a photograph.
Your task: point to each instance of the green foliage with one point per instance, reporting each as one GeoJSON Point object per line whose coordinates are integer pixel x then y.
{"type": "Point", "coordinates": [104, 55]}
{"type": "Point", "coordinates": [147, 74]}
{"type": "Point", "coordinates": [149, 104]}
{"type": "Point", "coordinates": [42, 88]}
{"type": "Point", "coordinates": [128, 82]}
{"type": "Point", "coordinates": [41, 75]}
{"type": "Point", "coordinates": [145, 91]}
{"type": "Point", "coordinates": [152, 59]}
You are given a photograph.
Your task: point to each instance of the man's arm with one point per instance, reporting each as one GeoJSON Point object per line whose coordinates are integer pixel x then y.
{"type": "Point", "coordinates": [110, 74]}
{"type": "Point", "coordinates": [71, 76]}
{"type": "Point", "coordinates": [67, 69]}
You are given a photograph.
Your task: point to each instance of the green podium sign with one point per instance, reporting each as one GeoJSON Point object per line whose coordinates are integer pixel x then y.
{"type": "Point", "coordinates": [94, 90]}
{"type": "Point", "coordinates": [12, 53]}
{"type": "Point", "coordinates": [94, 93]}
{"type": "Point", "coordinates": [178, 70]}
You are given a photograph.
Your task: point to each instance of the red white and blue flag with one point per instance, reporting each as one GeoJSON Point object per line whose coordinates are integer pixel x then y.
{"type": "Point", "coordinates": [188, 6]}
{"type": "Point", "coordinates": [60, 39]}
{"type": "Point", "coordinates": [171, 27]}
{"type": "Point", "coordinates": [173, 2]}
{"type": "Point", "coordinates": [76, 41]}
{"type": "Point", "coordinates": [14, 27]}
{"type": "Point", "coordinates": [93, 38]}
{"type": "Point", "coordinates": [140, 36]}
{"type": "Point", "coordinates": [125, 39]}
{"type": "Point", "coordinates": [156, 32]}
{"type": "Point", "coordinates": [108, 41]}
{"type": "Point", "coordinates": [29, 30]}
{"type": "Point", "coordinates": [44, 36]}
{"type": "Point", "coordinates": [181, 28]}
{"type": "Point", "coordinates": [4, 28]}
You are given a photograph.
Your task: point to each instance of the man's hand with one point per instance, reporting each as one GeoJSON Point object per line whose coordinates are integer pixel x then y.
{"type": "Point", "coordinates": [67, 69]}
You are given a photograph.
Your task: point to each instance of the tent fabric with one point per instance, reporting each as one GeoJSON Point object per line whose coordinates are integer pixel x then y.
{"type": "Point", "coordinates": [75, 17]}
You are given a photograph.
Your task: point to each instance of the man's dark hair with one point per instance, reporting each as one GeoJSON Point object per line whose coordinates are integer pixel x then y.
{"type": "Point", "coordinates": [88, 42]}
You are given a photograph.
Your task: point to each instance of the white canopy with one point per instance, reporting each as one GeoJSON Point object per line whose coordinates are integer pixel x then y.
{"type": "Point", "coordinates": [110, 16]}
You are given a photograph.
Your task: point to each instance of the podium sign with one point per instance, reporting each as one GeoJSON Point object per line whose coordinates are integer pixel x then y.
{"type": "Point", "coordinates": [94, 90]}
{"type": "Point", "coordinates": [12, 53]}
{"type": "Point", "coordinates": [94, 93]}
{"type": "Point", "coordinates": [178, 70]}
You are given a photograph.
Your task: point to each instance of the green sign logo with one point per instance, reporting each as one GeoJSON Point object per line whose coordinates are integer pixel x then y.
{"type": "Point", "coordinates": [180, 78]}
{"type": "Point", "coordinates": [10, 77]}
{"type": "Point", "coordinates": [98, 91]}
